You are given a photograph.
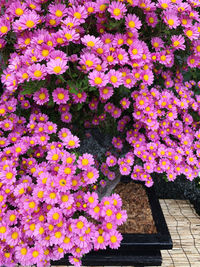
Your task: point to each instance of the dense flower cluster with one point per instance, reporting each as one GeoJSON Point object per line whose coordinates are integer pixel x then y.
{"type": "Point", "coordinates": [48, 207]}
{"type": "Point", "coordinates": [127, 66]}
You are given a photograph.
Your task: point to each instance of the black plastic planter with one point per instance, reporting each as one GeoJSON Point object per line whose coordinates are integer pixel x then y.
{"type": "Point", "coordinates": [135, 249]}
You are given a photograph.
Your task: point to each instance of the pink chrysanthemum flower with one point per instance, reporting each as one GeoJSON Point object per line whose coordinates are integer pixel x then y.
{"type": "Point", "coordinates": [4, 27]}
{"type": "Point", "coordinates": [71, 35]}
{"type": "Point", "coordinates": [91, 175]}
{"type": "Point", "coordinates": [17, 8]}
{"type": "Point", "coordinates": [91, 41]}
{"type": "Point", "coordinates": [85, 161]}
{"type": "Point", "coordinates": [35, 255]}
{"type": "Point", "coordinates": [78, 12]}
{"type": "Point", "coordinates": [125, 169]}
{"type": "Point", "coordinates": [171, 19]}
{"type": "Point", "coordinates": [64, 133]}
{"type": "Point", "coordinates": [116, 113]}
{"type": "Point", "coordinates": [54, 216]}
{"type": "Point", "coordinates": [117, 10]}
{"type": "Point", "coordinates": [157, 43]}
{"type": "Point", "coordinates": [111, 161]}
{"type": "Point", "coordinates": [58, 10]}
{"type": "Point", "coordinates": [114, 239]}
{"type": "Point", "coordinates": [13, 238]}
{"type": "Point", "coordinates": [122, 56]}
{"type": "Point", "coordinates": [90, 61]}
{"type": "Point", "coordinates": [192, 33]}
{"type": "Point", "coordinates": [178, 42]}
{"type": "Point", "coordinates": [41, 97]}
{"type": "Point", "coordinates": [60, 96]}
{"type": "Point", "coordinates": [66, 117]}
{"type": "Point", "coordinates": [21, 252]}
{"type": "Point", "coordinates": [136, 50]}
{"type": "Point", "coordinates": [106, 92]}
{"type": "Point", "coordinates": [27, 21]}
{"type": "Point", "coordinates": [54, 155]}
{"type": "Point", "coordinates": [56, 66]}
{"type": "Point", "coordinates": [115, 78]}
{"type": "Point", "coordinates": [37, 72]}
{"type": "Point", "coordinates": [147, 77]}
{"type": "Point", "coordinates": [80, 97]}
{"type": "Point", "coordinates": [100, 241]}
{"type": "Point", "coordinates": [71, 142]}
{"type": "Point", "coordinates": [125, 103]}
{"type": "Point", "coordinates": [98, 79]}
{"type": "Point", "coordinates": [132, 22]}
{"type": "Point", "coordinates": [91, 199]}
{"type": "Point", "coordinates": [151, 19]}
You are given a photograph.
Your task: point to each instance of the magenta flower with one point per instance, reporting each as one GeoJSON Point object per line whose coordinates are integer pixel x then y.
{"type": "Point", "coordinates": [60, 96]}
{"type": "Point", "coordinates": [91, 175]}
{"type": "Point", "coordinates": [41, 97]}
{"type": "Point", "coordinates": [171, 19]}
{"type": "Point", "coordinates": [27, 21]}
{"type": "Point", "coordinates": [132, 22]}
{"type": "Point", "coordinates": [117, 10]}
{"type": "Point", "coordinates": [98, 79]}
{"type": "Point", "coordinates": [115, 78]}
{"type": "Point", "coordinates": [37, 72]}
{"type": "Point", "coordinates": [178, 42]}
{"type": "Point", "coordinates": [56, 66]}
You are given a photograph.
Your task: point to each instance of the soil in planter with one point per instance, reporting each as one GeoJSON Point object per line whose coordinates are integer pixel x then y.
{"type": "Point", "coordinates": [136, 203]}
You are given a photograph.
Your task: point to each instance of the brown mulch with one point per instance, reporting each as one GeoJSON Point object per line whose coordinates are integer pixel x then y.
{"type": "Point", "coordinates": [135, 202]}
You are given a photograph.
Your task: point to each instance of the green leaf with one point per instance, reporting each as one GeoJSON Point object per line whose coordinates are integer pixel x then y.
{"type": "Point", "coordinates": [28, 91]}
{"type": "Point", "coordinates": [32, 86]}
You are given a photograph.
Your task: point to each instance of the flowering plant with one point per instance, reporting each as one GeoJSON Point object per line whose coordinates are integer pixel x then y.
{"type": "Point", "coordinates": [127, 67]}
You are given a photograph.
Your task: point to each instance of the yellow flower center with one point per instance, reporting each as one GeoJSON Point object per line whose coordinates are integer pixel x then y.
{"type": "Point", "coordinates": [109, 212]}
{"type": "Point", "coordinates": [58, 13]}
{"type": "Point", "coordinates": [90, 175]}
{"type": "Point", "coordinates": [58, 234]}
{"type": "Point", "coordinates": [9, 175]}
{"type": "Point", "coordinates": [57, 69]}
{"type": "Point", "coordinates": [35, 254]}
{"type": "Point", "coordinates": [113, 239]}
{"type": "Point", "coordinates": [14, 235]}
{"type": "Point", "coordinates": [77, 15]}
{"type": "Point", "coordinates": [100, 239]}
{"type": "Point", "coordinates": [30, 23]}
{"type": "Point", "coordinates": [134, 51]}
{"type": "Point", "coordinates": [116, 11]}
{"type": "Point", "coordinates": [176, 43]}
{"type": "Point", "coordinates": [89, 63]}
{"type": "Point", "coordinates": [55, 157]}
{"type": "Point", "coordinates": [19, 11]}
{"type": "Point", "coordinates": [85, 162]}
{"type": "Point", "coordinates": [68, 36]}
{"type": "Point", "coordinates": [56, 216]}
{"type": "Point", "coordinates": [189, 33]}
{"type": "Point", "coordinates": [113, 79]}
{"type": "Point", "coordinates": [71, 143]}
{"type": "Point", "coordinates": [4, 29]}
{"type": "Point", "coordinates": [131, 24]}
{"type": "Point", "coordinates": [3, 229]}
{"type": "Point", "coordinates": [98, 80]}
{"type": "Point", "coordinates": [170, 22]}
{"type": "Point", "coordinates": [37, 73]}
{"type": "Point", "coordinates": [61, 96]}
{"type": "Point", "coordinates": [65, 198]}
{"type": "Point", "coordinates": [52, 195]}
{"type": "Point", "coordinates": [32, 205]}
{"type": "Point", "coordinates": [80, 225]}
{"type": "Point", "coordinates": [23, 251]}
